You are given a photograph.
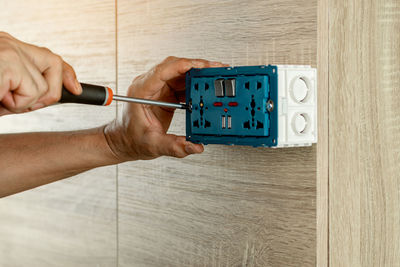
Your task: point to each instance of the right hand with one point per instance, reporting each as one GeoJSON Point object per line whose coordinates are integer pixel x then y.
{"type": "Point", "coordinates": [31, 77]}
{"type": "Point", "coordinates": [142, 133]}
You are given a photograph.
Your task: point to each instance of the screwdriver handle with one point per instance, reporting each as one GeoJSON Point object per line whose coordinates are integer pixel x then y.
{"type": "Point", "coordinates": [91, 94]}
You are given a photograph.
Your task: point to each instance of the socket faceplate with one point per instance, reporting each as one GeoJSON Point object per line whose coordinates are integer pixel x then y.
{"type": "Point", "coordinates": [233, 106]}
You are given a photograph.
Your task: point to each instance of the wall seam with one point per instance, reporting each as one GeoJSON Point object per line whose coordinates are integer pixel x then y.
{"type": "Point", "coordinates": [116, 115]}
{"type": "Point", "coordinates": [328, 123]}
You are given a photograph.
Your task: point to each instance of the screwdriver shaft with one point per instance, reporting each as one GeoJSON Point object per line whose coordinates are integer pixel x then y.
{"type": "Point", "coordinates": [150, 102]}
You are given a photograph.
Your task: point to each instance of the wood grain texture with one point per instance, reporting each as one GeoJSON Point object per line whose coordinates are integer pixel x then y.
{"type": "Point", "coordinates": [364, 133]}
{"type": "Point", "coordinates": [72, 222]}
{"type": "Point", "coordinates": [323, 136]}
{"type": "Point", "coordinates": [231, 206]}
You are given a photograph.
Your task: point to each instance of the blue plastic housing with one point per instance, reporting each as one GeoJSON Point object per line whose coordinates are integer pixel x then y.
{"type": "Point", "coordinates": [252, 121]}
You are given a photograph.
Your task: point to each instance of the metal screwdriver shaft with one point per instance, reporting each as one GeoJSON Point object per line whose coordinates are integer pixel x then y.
{"type": "Point", "coordinates": [103, 96]}
{"type": "Point", "coordinates": [150, 102]}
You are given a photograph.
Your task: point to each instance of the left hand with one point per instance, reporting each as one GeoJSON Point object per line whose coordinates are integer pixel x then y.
{"type": "Point", "coordinates": [142, 132]}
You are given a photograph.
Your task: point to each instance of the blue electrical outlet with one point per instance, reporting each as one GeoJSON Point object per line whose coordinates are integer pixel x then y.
{"type": "Point", "coordinates": [233, 106]}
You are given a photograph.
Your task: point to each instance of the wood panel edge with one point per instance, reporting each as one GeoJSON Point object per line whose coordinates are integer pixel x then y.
{"type": "Point", "coordinates": [323, 135]}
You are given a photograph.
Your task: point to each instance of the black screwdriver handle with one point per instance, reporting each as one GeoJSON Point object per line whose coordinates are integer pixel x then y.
{"type": "Point", "coordinates": [91, 95]}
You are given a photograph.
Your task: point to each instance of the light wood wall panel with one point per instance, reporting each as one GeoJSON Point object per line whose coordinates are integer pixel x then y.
{"type": "Point", "coordinates": [364, 133]}
{"type": "Point", "coordinates": [323, 136]}
{"type": "Point", "coordinates": [230, 206]}
{"type": "Point", "coordinates": [72, 222]}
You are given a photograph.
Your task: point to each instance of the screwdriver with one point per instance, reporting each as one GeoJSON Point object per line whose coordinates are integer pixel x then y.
{"type": "Point", "coordinates": [103, 96]}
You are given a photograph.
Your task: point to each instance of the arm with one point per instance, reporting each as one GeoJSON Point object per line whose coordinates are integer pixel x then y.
{"type": "Point", "coordinates": [141, 133]}
{"type": "Point", "coordinates": [32, 159]}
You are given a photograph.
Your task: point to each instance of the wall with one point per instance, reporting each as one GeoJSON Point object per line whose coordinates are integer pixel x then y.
{"type": "Point", "coordinates": [228, 206]}
{"type": "Point", "coordinates": [364, 133]}
{"type": "Point", "coordinates": [72, 222]}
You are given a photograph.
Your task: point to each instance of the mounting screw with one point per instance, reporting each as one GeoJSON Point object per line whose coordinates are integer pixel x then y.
{"type": "Point", "coordinates": [270, 105]}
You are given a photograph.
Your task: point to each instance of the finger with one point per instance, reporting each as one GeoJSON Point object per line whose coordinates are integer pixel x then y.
{"type": "Point", "coordinates": [191, 148]}
{"type": "Point", "coordinates": [70, 81]}
{"type": "Point", "coordinates": [10, 78]}
{"type": "Point", "coordinates": [171, 68]}
{"type": "Point", "coordinates": [177, 146]}
{"type": "Point", "coordinates": [53, 77]}
{"type": "Point", "coordinates": [177, 67]}
{"type": "Point", "coordinates": [43, 58]}
{"type": "Point", "coordinates": [21, 99]}
{"type": "Point", "coordinates": [21, 89]}
{"type": "Point", "coordinates": [178, 83]}
{"type": "Point", "coordinates": [41, 84]}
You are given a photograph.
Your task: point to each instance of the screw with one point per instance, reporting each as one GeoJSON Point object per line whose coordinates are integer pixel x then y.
{"type": "Point", "coordinates": [270, 105]}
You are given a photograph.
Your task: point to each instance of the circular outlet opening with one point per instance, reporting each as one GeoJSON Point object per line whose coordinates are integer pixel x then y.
{"type": "Point", "coordinates": [301, 123]}
{"type": "Point", "coordinates": [300, 89]}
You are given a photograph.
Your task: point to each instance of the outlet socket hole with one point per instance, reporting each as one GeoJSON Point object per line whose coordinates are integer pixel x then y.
{"type": "Point", "coordinates": [301, 123]}
{"type": "Point", "coordinates": [300, 89]}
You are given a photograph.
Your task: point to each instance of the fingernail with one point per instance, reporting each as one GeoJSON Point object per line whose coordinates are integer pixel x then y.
{"type": "Point", "coordinates": [37, 106]}
{"type": "Point", "coordinates": [78, 87]}
{"type": "Point", "coordinates": [190, 149]}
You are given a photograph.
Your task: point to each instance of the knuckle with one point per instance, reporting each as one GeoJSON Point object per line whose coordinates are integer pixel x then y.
{"type": "Point", "coordinates": [56, 61]}
{"type": "Point", "coordinates": [138, 78]}
{"type": "Point", "coordinates": [5, 35]}
{"type": "Point", "coordinates": [158, 69]}
{"type": "Point", "coordinates": [9, 53]}
{"type": "Point", "coordinates": [46, 50]}
{"type": "Point", "coordinates": [2, 33]}
{"type": "Point", "coordinates": [169, 58]}
{"type": "Point", "coordinates": [53, 97]}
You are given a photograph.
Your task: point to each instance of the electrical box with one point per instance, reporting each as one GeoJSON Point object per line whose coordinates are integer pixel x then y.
{"type": "Point", "coordinates": [270, 106]}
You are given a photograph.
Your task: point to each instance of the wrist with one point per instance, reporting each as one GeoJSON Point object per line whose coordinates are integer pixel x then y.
{"type": "Point", "coordinates": [118, 143]}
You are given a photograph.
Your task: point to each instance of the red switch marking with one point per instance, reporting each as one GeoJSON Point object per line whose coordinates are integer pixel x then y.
{"type": "Point", "coordinates": [217, 104]}
{"type": "Point", "coordinates": [225, 109]}
{"type": "Point", "coordinates": [233, 104]}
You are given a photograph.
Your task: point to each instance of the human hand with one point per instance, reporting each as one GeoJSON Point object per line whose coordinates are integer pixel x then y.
{"type": "Point", "coordinates": [142, 132]}
{"type": "Point", "coordinates": [31, 77]}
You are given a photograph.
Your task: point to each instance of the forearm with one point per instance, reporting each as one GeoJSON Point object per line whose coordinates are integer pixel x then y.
{"type": "Point", "coordinates": [32, 159]}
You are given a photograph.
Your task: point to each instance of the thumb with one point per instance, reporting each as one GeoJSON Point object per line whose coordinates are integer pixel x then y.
{"type": "Point", "coordinates": [177, 146]}
{"type": "Point", "coordinates": [70, 81]}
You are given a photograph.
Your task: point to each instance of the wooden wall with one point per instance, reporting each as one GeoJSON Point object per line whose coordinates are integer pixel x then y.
{"type": "Point", "coordinates": [230, 206]}
{"type": "Point", "coordinates": [364, 133]}
{"type": "Point", "coordinates": [72, 222]}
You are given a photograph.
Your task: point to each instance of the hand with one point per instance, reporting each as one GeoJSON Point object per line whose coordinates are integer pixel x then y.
{"type": "Point", "coordinates": [31, 77]}
{"type": "Point", "coordinates": [142, 132]}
